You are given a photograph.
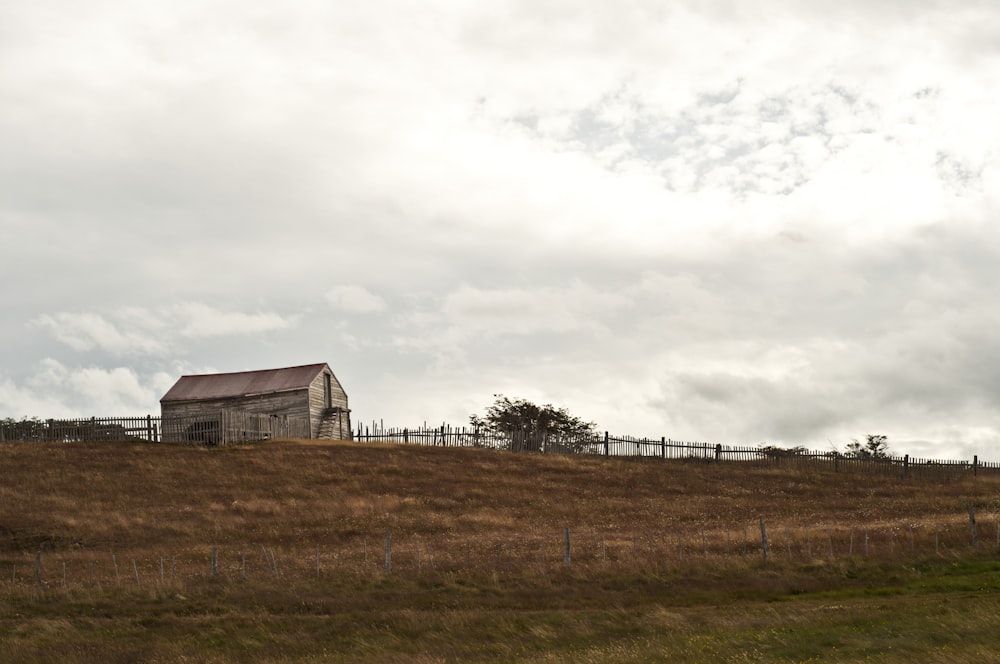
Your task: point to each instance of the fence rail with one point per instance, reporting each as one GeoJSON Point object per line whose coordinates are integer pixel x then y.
{"type": "Point", "coordinates": [231, 426]}
{"type": "Point", "coordinates": [665, 448]}
{"type": "Point", "coordinates": [219, 428]}
{"type": "Point", "coordinates": [146, 428]}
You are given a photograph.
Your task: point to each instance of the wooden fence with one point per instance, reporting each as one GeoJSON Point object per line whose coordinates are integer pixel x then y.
{"type": "Point", "coordinates": [665, 448]}
{"type": "Point", "coordinates": [88, 429]}
{"type": "Point", "coordinates": [218, 428]}
{"type": "Point", "coordinates": [230, 426]}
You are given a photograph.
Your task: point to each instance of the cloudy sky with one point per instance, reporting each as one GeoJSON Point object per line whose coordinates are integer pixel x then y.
{"type": "Point", "coordinates": [718, 221]}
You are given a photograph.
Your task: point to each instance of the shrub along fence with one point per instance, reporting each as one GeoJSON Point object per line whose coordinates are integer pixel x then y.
{"type": "Point", "coordinates": [665, 448]}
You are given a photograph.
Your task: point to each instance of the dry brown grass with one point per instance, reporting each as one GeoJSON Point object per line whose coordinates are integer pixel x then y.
{"type": "Point", "coordinates": [456, 506]}
{"type": "Point", "coordinates": [658, 570]}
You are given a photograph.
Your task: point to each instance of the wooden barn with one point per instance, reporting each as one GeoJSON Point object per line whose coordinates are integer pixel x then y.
{"type": "Point", "coordinates": [306, 401]}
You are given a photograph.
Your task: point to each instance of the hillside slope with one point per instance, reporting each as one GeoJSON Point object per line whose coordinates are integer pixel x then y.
{"type": "Point", "coordinates": [114, 496]}
{"type": "Point", "coordinates": [291, 551]}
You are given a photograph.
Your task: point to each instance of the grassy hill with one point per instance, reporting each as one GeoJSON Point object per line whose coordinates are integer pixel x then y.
{"type": "Point", "coordinates": [106, 554]}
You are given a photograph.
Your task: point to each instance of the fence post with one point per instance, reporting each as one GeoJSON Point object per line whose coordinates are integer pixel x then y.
{"type": "Point", "coordinates": [906, 465]}
{"type": "Point", "coordinates": [605, 443]}
{"type": "Point", "coordinates": [763, 539]}
{"type": "Point", "coordinates": [566, 546]}
{"type": "Point", "coordinates": [972, 526]}
{"type": "Point", "coordinates": [718, 451]}
{"type": "Point", "coordinates": [975, 465]}
{"type": "Point", "coordinates": [663, 447]}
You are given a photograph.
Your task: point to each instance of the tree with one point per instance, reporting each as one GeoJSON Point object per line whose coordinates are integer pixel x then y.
{"type": "Point", "coordinates": [876, 446]}
{"type": "Point", "coordinates": [530, 427]}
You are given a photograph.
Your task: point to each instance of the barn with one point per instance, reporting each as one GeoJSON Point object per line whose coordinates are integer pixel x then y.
{"type": "Point", "coordinates": [305, 401]}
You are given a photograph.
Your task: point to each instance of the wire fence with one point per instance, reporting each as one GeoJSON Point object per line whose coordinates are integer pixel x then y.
{"type": "Point", "coordinates": [410, 555]}
{"type": "Point", "coordinates": [233, 426]}
{"type": "Point", "coordinates": [666, 448]}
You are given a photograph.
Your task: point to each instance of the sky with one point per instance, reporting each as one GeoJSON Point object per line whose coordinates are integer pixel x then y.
{"type": "Point", "coordinates": [739, 223]}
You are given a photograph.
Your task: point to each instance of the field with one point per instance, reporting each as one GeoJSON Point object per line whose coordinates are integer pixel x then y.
{"type": "Point", "coordinates": [289, 551]}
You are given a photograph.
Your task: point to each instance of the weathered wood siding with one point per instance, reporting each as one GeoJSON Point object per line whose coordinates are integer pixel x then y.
{"type": "Point", "coordinates": [317, 398]}
{"type": "Point", "coordinates": [293, 403]}
{"type": "Point", "coordinates": [337, 425]}
{"type": "Point", "coordinates": [232, 426]}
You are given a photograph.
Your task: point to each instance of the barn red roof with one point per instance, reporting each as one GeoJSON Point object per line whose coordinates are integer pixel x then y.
{"type": "Point", "coordinates": [243, 383]}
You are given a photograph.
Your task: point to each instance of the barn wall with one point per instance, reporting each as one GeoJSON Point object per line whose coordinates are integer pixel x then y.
{"type": "Point", "coordinates": [292, 403]}
{"type": "Point", "coordinates": [308, 403]}
{"type": "Point", "coordinates": [337, 427]}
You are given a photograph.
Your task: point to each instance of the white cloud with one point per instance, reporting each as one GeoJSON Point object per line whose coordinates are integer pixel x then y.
{"type": "Point", "coordinates": [55, 390]}
{"type": "Point", "coordinates": [117, 390]}
{"type": "Point", "coordinates": [87, 331]}
{"type": "Point", "coordinates": [520, 311]}
{"type": "Point", "coordinates": [197, 320]}
{"type": "Point", "coordinates": [136, 331]}
{"type": "Point", "coordinates": [357, 299]}
{"type": "Point", "coordinates": [729, 219]}
{"type": "Point", "coordinates": [17, 401]}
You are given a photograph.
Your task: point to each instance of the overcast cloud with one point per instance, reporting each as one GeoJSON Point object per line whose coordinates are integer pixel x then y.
{"type": "Point", "coordinates": [730, 222]}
